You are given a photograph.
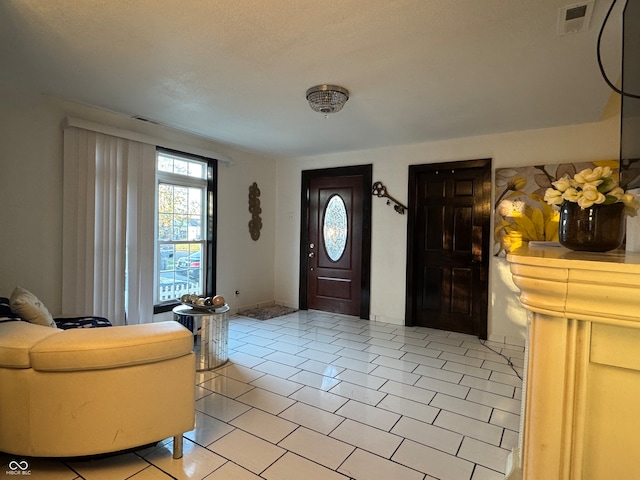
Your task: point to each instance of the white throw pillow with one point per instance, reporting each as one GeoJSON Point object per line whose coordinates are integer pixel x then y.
{"type": "Point", "coordinates": [30, 308]}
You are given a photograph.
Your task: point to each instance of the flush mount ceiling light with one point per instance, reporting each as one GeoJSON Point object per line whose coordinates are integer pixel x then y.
{"type": "Point", "coordinates": [327, 99]}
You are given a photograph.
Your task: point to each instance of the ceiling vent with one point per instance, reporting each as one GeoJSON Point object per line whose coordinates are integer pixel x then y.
{"type": "Point", "coordinates": [575, 18]}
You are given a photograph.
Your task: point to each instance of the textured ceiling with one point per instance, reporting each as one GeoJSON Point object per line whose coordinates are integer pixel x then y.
{"type": "Point", "coordinates": [236, 71]}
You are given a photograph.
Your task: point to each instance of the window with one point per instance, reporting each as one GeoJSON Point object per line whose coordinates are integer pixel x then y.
{"type": "Point", "coordinates": [335, 228]}
{"type": "Point", "coordinates": [184, 250]}
{"type": "Point", "coordinates": [111, 244]}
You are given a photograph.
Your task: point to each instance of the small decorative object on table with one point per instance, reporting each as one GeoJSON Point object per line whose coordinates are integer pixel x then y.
{"type": "Point", "coordinates": [203, 303]}
{"type": "Point", "coordinates": [592, 210]}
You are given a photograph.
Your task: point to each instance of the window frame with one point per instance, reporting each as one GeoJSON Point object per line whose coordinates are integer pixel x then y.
{"type": "Point", "coordinates": [210, 216]}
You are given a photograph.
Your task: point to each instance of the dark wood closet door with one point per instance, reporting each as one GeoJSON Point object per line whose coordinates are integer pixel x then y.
{"type": "Point", "coordinates": [449, 248]}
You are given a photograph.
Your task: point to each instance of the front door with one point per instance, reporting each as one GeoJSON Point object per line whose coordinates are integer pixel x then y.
{"type": "Point", "coordinates": [335, 245]}
{"type": "Point", "coordinates": [448, 246]}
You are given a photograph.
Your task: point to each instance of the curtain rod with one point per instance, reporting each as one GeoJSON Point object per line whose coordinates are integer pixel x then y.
{"type": "Point", "coordinates": [144, 138]}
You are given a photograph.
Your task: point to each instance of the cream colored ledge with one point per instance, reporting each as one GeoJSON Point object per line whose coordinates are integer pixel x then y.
{"type": "Point", "coordinates": [582, 376]}
{"type": "Point", "coordinates": [599, 287]}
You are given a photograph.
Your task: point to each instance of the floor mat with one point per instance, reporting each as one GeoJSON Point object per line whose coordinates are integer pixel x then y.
{"type": "Point", "coordinates": [265, 313]}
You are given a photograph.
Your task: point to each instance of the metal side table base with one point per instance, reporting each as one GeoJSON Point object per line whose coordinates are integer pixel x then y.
{"type": "Point", "coordinates": [211, 330]}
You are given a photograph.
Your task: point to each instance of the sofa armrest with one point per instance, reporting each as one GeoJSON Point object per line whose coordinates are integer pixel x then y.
{"type": "Point", "coordinates": [103, 348]}
{"type": "Point", "coordinates": [18, 338]}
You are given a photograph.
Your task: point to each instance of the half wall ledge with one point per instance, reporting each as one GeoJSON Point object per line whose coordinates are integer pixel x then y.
{"type": "Point", "coordinates": [582, 366]}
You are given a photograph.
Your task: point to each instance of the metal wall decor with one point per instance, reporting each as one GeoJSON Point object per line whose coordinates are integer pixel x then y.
{"type": "Point", "coordinates": [380, 191]}
{"type": "Point", "coordinates": [255, 224]}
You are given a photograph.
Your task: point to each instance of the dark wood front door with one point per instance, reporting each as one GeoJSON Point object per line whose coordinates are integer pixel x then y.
{"type": "Point", "coordinates": [448, 246]}
{"type": "Point", "coordinates": [335, 244]}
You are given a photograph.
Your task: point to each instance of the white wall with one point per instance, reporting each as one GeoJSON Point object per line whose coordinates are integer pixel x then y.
{"type": "Point", "coordinates": [267, 270]}
{"type": "Point", "coordinates": [390, 166]}
{"type": "Point", "coordinates": [244, 264]}
{"type": "Point", "coordinates": [31, 201]}
{"type": "Point", "coordinates": [30, 196]}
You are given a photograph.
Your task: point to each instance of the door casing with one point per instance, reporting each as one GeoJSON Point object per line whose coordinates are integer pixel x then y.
{"type": "Point", "coordinates": [366, 172]}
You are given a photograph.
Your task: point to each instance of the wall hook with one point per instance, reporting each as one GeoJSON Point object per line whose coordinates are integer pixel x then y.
{"type": "Point", "coordinates": [380, 191]}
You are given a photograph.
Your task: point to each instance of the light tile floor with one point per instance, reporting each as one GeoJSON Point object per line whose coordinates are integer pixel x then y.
{"type": "Point", "coordinates": [314, 395]}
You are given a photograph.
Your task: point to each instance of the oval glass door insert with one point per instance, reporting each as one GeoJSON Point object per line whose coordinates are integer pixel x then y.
{"type": "Point", "coordinates": [335, 228]}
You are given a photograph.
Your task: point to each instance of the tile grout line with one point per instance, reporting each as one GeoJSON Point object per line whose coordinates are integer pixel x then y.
{"type": "Point", "coordinates": [462, 376]}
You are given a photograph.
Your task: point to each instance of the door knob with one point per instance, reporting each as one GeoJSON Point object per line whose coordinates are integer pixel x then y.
{"type": "Point", "coordinates": [312, 254]}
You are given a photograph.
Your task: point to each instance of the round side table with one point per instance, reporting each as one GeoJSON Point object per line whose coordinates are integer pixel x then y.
{"type": "Point", "coordinates": [211, 331]}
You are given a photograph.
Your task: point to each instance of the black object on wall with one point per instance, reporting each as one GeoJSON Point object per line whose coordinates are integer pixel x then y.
{"type": "Point", "coordinates": [630, 113]}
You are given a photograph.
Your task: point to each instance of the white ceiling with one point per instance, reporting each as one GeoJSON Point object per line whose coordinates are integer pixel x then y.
{"type": "Point", "coordinates": [236, 71]}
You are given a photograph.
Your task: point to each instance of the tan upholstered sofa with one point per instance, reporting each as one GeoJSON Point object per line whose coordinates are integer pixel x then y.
{"type": "Point", "coordinates": [87, 391]}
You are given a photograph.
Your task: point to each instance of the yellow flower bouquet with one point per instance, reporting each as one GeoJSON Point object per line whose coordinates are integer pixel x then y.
{"type": "Point", "coordinates": [591, 187]}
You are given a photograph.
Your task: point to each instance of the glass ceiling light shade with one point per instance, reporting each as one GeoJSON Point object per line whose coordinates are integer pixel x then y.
{"type": "Point", "coordinates": [327, 99]}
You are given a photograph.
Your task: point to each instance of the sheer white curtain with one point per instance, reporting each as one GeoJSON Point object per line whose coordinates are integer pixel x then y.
{"type": "Point", "coordinates": [108, 227]}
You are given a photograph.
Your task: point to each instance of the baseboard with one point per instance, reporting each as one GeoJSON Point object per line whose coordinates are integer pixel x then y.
{"type": "Point", "coordinates": [383, 319]}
